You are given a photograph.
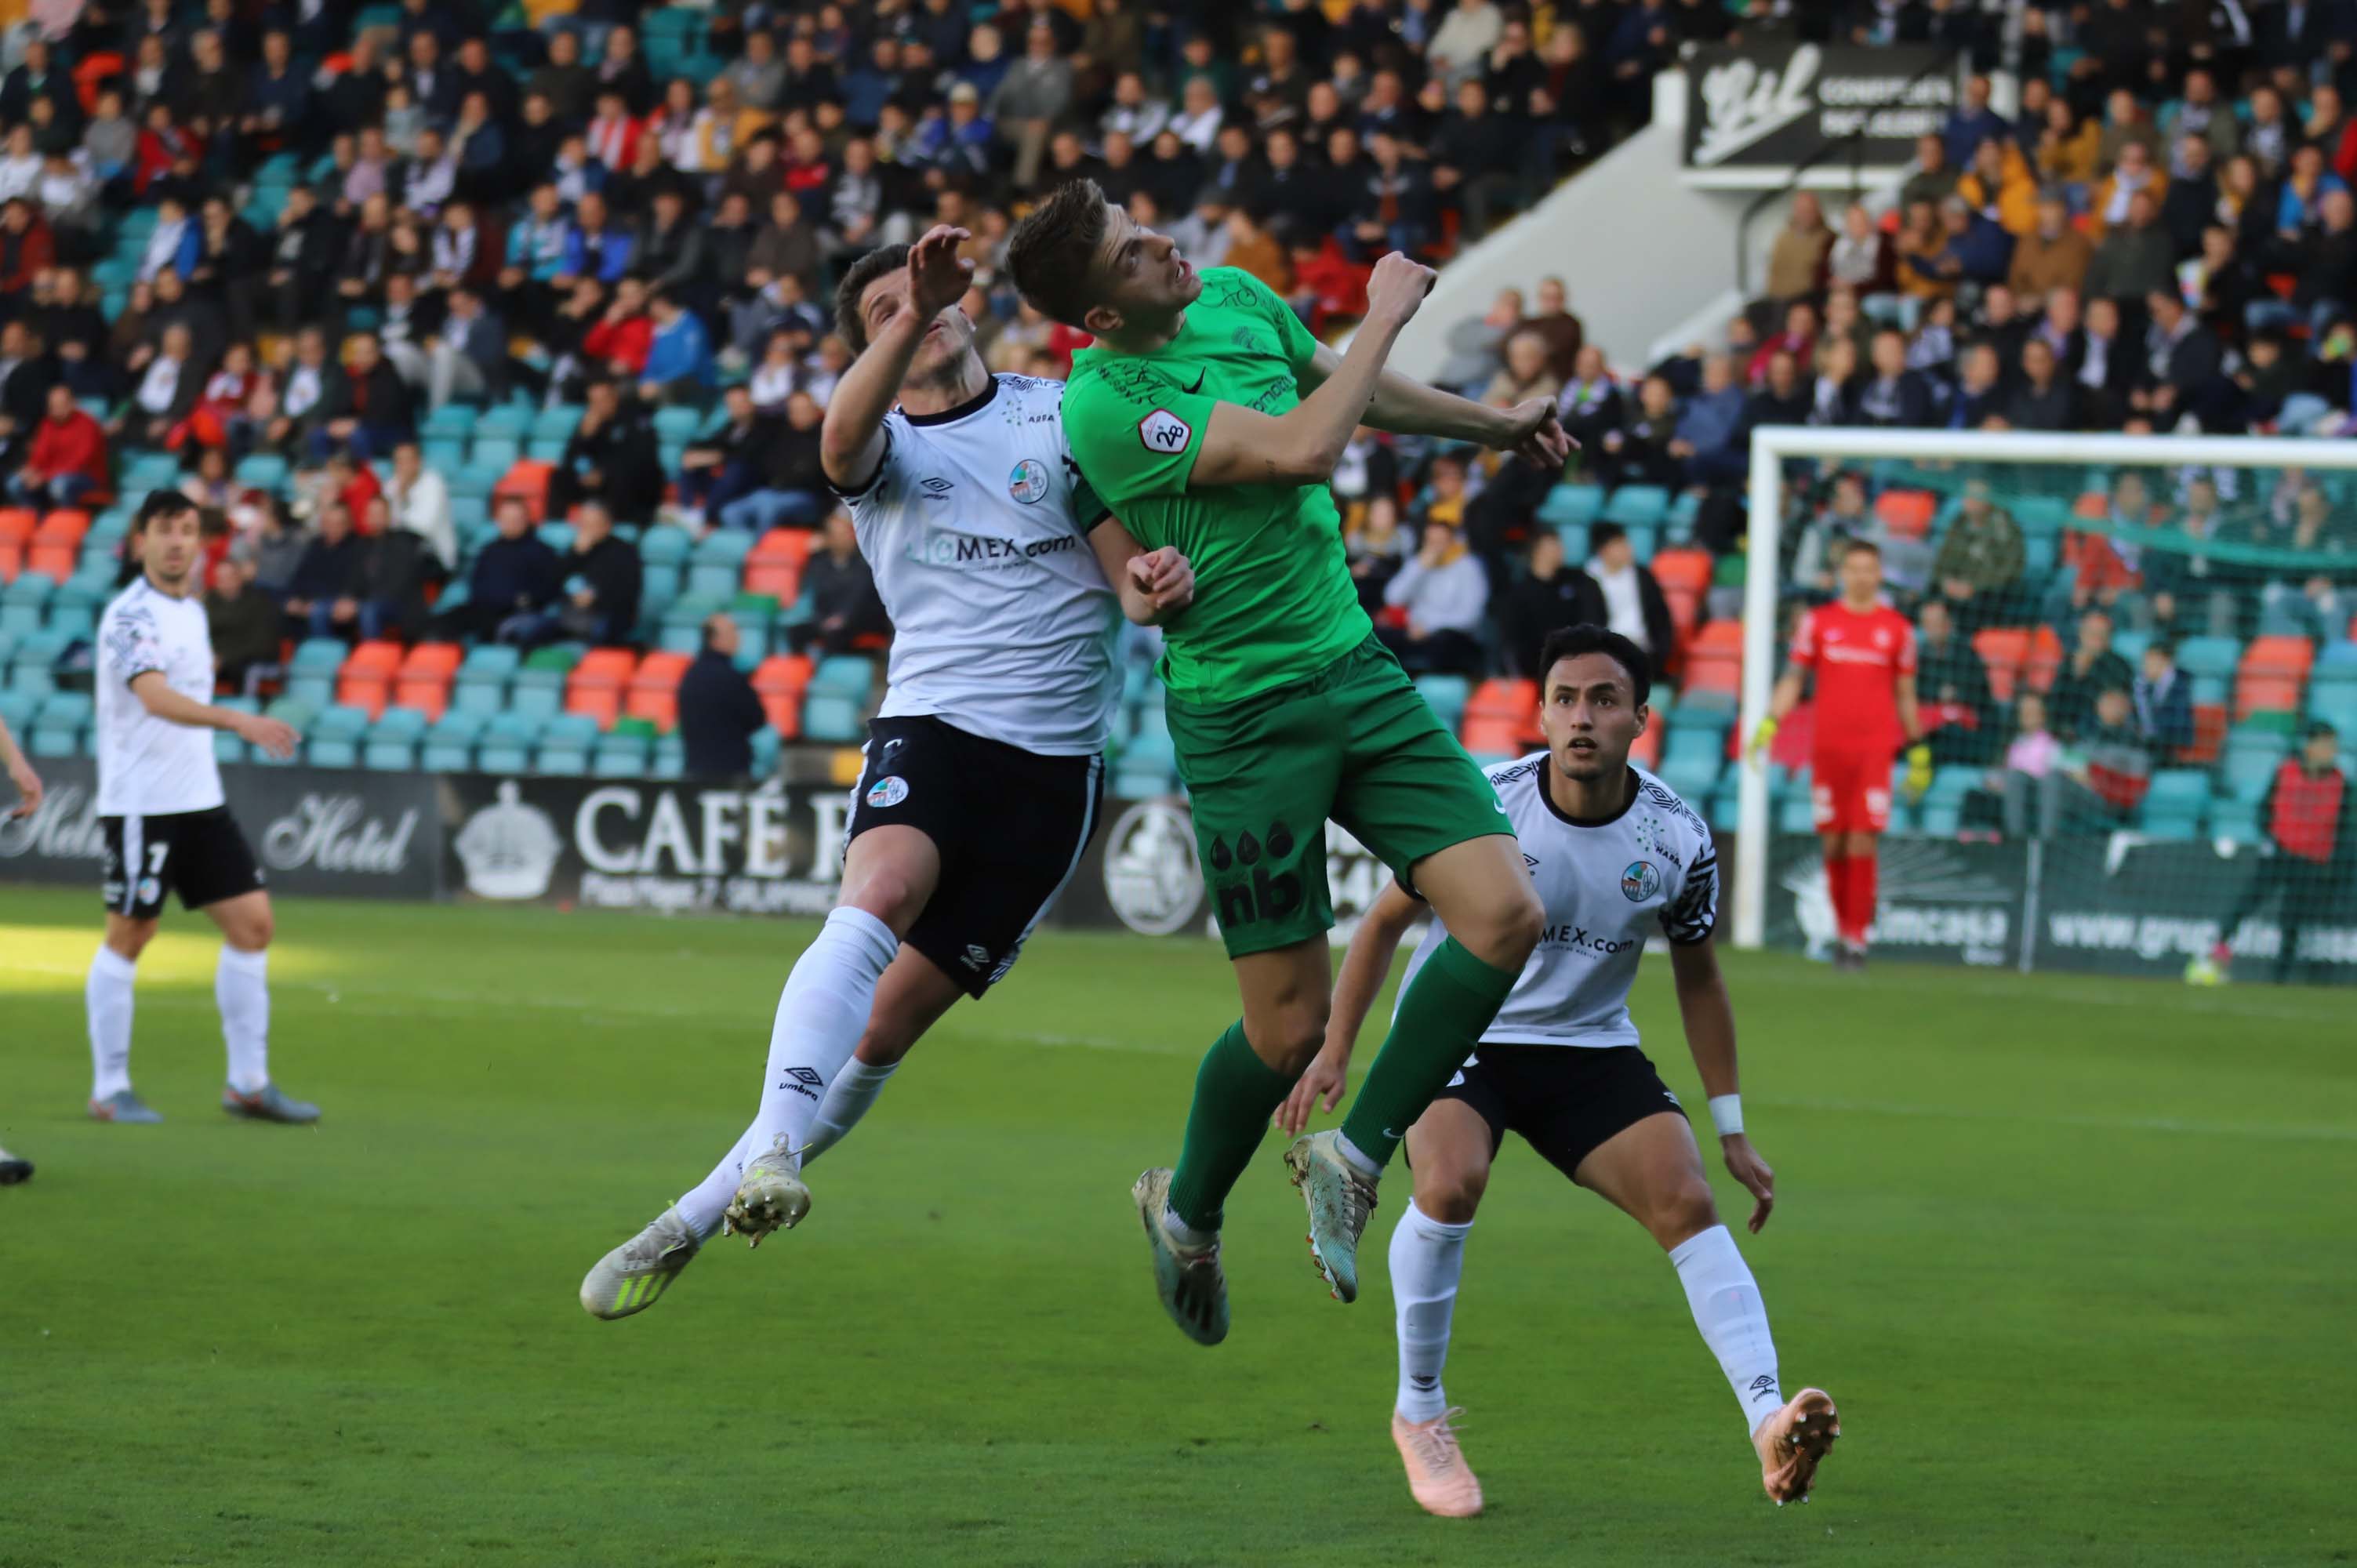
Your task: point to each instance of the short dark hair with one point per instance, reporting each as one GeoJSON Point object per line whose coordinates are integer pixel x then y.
{"type": "Point", "coordinates": [1571, 641]}
{"type": "Point", "coordinates": [1053, 249]}
{"type": "Point", "coordinates": [1856, 545]}
{"type": "Point", "coordinates": [1602, 534]}
{"type": "Point", "coordinates": [881, 262]}
{"type": "Point", "coordinates": [160, 503]}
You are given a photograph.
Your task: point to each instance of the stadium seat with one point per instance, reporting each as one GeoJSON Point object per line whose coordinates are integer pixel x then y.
{"type": "Point", "coordinates": [448, 746]}
{"type": "Point", "coordinates": [1572, 506]}
{"type": "Point", "coordinates": [565, 744]}
{"type": "Point", "coordinates": [538, 693]}
{"type": "Point", "coordinates": [1686, 570]}
{"type": "Point", "coordinates": [2044, 661]}
{"type": "Point", "coordinates": [2209, 656]}
{"type": "Point", "coordinates": [1638, 506]}
{"type": "Point", "coordinates": [1448, 695]}
{"type": "Point", "coordinates": [1906, 513]}
{"type": "Point", "coordinates": [1503, 716]}
{"type": "Point", "coordinates": [622, 756]}
{"type": "Point", "coordinates": [779, 681]}
{"type": "Point", "coordinates": [653, 693]}
{"type": "Point", "coordinates": [527, 480]}
{"type": "Point", "coordinates": [2175, 803]}
{"type": "Point", "coordinates": [664, 546]}
{"type": "Point", "coordinates": [507, 742]}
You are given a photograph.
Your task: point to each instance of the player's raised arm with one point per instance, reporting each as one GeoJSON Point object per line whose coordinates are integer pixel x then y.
{"type": "Point", "coordinates": [155, 695]}
{"type": "Point", "coordinates": [1365, 966]}
{"type": "Point", "coordinates": [1243, 446]}
{"type": "Point", "coordinates": [1406, 406]}
{"type": "Point", "coordinates": [20, 774]}
{"type": "Point", "coordinates": [1709, 1019]}
{"type": "Point", "coordinates": [851, 438]}
{"type": "Point", "coordinates": [1155, 586]}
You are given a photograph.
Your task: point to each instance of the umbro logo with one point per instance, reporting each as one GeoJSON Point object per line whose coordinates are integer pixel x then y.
{"type": "Point", "coordinates": [937, 490]}
{"type": "Point", "coordinates": [1530, 861]}
{"type": "Point", "coordinates": [1424, 1382]}
{"type": "Point", "coordinates": [1762, 1386]}
{"type": "Point", "coordinates": [803, 1081]}
{"type": "Point", "coordinates": [976, 955]}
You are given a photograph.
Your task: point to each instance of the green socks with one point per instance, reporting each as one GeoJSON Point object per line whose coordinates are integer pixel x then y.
{"type": "Point", "coordinates": [1440, 1019]}
{"type": "Point", "coordinates": [1235, 1094]}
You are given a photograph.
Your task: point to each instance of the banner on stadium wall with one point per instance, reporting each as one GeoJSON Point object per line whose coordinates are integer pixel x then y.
{"type": "Point", "coordinates": [2115, 904]}
{"type": "Point", "coordinates": [1753, 114]}
{"type": "Point", "coordinates": [668, 845]}
{"type": "Point", "coordinates": [326, 832]}
{"type": "Point", "coordinates": [1142, 873]}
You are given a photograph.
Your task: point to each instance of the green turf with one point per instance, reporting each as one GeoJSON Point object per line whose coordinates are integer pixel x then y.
{"type": "Point", "coordinates": [2074, 1256]}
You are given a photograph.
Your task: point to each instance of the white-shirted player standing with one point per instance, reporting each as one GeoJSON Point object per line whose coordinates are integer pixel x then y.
{"type": "Point", "coordinates": [1616, 857]}
{"type": "Point", "coordinates": [167, 824]}
{"type": "Point", "coordinates": [1004, 579]}
{"type": "Point", "coordinates": [15, 1168]}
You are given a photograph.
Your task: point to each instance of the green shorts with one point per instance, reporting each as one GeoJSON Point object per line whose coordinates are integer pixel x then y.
{"type": "Point", "coordinates": [1356, 742]}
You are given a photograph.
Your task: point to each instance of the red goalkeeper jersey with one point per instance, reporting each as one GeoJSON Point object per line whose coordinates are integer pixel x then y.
{"type": "Point", "coordinates": [1858, 659]}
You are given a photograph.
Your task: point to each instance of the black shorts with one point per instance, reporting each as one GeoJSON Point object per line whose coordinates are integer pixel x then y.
{"type": "Point", "coordinates": [201, 856]}
{"type": "Point", "coordinates": [1565, 1101]}
{"type": "Point", "coordinates": [1010, 825]}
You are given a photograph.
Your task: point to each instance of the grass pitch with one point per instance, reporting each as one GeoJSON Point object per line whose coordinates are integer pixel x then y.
{"type": "Point", "coordinates": [2074, 1255]}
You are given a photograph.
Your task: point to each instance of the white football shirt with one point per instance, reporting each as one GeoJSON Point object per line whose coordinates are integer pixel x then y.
{"type": "Point", "coordinates": [976, 526]}
{"type": "Point", "coordinates": [147, 767]}
{"type": "Point", "coordinates": [1606, 886]}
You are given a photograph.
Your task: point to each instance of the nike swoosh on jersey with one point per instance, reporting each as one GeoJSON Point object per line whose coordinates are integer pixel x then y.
{"type": "Point", "coordinates": [1199, 384]}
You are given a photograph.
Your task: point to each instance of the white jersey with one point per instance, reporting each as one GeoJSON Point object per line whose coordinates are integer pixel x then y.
{"type": "Point", "coordinates": [976, 526]}
{"type": "Point", "coordinates": [1606, 886]}
{"type": "Point", "coordinates": [146, 766]}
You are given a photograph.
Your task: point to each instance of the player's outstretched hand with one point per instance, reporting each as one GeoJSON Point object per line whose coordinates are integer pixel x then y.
{"type": "Point", "coordinates": [1744, 1163]}
{"type": "Point", "coordinates": [275, 737]}
{"type": "Point", "coordinates": [1320, 1087]}
{"type": "Point", "coordinates": [29, 788]}
{"type": "Point", "coordinates": [1535, 435]}
{"type": "Point", "coordinates": [1166, 578]}
{"type": "Point", "coordinates": [1396, 288]}
{"type": "Point", "coordinates": [937, 275]}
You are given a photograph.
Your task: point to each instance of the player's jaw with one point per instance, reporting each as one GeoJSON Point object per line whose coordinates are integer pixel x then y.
{"type": "Point", "coordinates": [946, 343]}
{"type": "Point", "coordinates": [168, 561]}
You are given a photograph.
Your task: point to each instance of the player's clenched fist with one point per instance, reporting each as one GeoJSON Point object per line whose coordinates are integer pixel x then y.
{"type": "Point", "coordinates": [1396, 288]}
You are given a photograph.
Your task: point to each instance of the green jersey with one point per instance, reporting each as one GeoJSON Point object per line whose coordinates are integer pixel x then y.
{"type": "Point", "coordinates": [1274, 597]}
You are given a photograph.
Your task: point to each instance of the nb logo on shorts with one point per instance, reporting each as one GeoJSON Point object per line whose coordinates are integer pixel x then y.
{"type": "Point", "coordinates": [1261, 895]}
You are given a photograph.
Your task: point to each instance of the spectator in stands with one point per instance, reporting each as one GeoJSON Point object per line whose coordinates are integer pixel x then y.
{"type": "Point", "coordinates": [2091, 667]}
{"type": "Point", "coordinates": [2316, 593]}
{"type": "Point", "coordinates": [1376, 547]}
{"type": "Point", "coordinates": [679, 366]}
{"type": "Point", "coordinates": [1816, 559]}
{"type": "Point", "coordinates": [841, 595]}
{"type": "Point", "coordinates": [2134, 257]}
{"type": "Point", "coordinates": [1439, 595]}
{"type": "Point", "coordinates": [1590, 403]}
{"type": "Point", "coordinates": [2027, 783]}
{"type": "Point", "coordinates": [367, 411]}
{"type": "Point", "coordinates": [468, 355]}
{"type": "Point", "coordinates": [2107, 373]}
{"type": "Point", "coordinates": [1999, 187]}
{"type": "Point", "coordinates": [1892, 395]}
{"type": "Point", "coordinates": [385, 594]}
{"type": "Point", "coordinates": [719, 712]}
{"type": "Point", "coordinates": [791, 484]}
{"type": "Point", "coordinates": [1933, 178]}
{"type": "Point", "coordinates": [1709, 442]}
{"type": "Point", "coordinates": [602, 579]}
{"type": "Point", "coordinates": [1957, 711]}
{"type": "Point", "coordinates": [2306, 816]}
{"type": "Point", "coordinates": [1475, 158]}
{"type": "Point", "coordinates": [2053, 256]}
{"type": "Point", "coordinates": [1980, 562]}
{"type": "Point", "coordinates": [330, 562]}
{"type": "Point", "coordinates": [1526, 374]}
{"type": "Point", "coordinates": [1796, 261]}
{"type": "Point", "coordinates": [1554, 321]}
{"type": "Point", "coordinates": [2184, 362]}
{"type": "Point", "coordinates": [1973, 250]}
{"type": "Point", "coordinates": [1860, 258]}
{"type": "Point", "coordinates": [611, 458]}
{"type": "Point", "coordinates": [1972, 124]}
{"type": "Point", "coordinates": [1032, 97]}
{"type": "Point", "coordinates": [1550, 594]}
{"type": "Point", "coordinates": [67, 460]}
{"type": "Point", "coordinates": [1637, 450]}
{"type": "Point", "coordinates": [244, 626]}
{"type": "Point", "coordinates": [1981, 395]}
{"type": "Point", "coordinates": [1633, 602]}
{"type": "Point", "coordinates": [2106, 770]}
{"type": "Point", "coordinates": [420, 504]}
{"type": "Point", "coordinates": [271, 552]}
{"type": "Point", "coordinates": [2164, 703]}
{"type": "Point", "coordinates": [2190, 203]}
{"type": "Point", "coordinates": [2190, 591]}
{"type": "Point", "coordinates": [515, 576]}
{"type": "Point", "coordinates": [1925, 272]}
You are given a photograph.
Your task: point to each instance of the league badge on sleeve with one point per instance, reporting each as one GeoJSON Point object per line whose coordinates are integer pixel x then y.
{"type": "Point", "coordinates": [1163, 431]}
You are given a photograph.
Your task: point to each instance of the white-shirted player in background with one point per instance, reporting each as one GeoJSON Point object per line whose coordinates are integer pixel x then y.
{"type": "Point", "coordinates": [1616, 857]}
{"type": "Point", "coordinates": [1005, 580]}
{"type": "Point", "coordinates": [167, 826]}
{"type": "Point", "coordinates": [28, 784]}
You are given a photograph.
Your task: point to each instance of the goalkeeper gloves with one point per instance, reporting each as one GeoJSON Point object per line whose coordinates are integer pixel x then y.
{"type": "Point", "coordinates": [1919, 770]}
{"type": "Point", "coordinates": [1761, 739]}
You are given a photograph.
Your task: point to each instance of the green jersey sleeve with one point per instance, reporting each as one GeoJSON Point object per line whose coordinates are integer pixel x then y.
{"type": "Point", "coordinates": [1134, 431]}
{"type": "Point", "coordinates": [1294, 341]}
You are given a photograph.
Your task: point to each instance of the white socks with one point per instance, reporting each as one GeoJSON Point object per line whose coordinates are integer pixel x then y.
{"type": "Point", "coordinates": [1734, 1322]}
{"type": "Point", "coordinates": [1427, 1257]}
{"type": "Point", "coordinates": [853, 1089]}
{"type": "Point", "coordinates": [106, 995]}
{"type": "Point", "coordinates": [242, 991]}
{"type": "Point", "coordinates": [705, 1205]}
{"type": "Point", "coordinates": [821, 1013]}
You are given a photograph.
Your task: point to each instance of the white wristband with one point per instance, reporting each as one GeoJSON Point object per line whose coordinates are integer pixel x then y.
{"type": "Point", "coordinates": [1727, 1114]}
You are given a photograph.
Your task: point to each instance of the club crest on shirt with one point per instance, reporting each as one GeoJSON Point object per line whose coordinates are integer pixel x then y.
{"type": "Point", "coordinates": [889, 791]}
{"type": "Point", "coordinates": [1028, 482]}
{"type": "Point", "coordinates": [1641, 881]}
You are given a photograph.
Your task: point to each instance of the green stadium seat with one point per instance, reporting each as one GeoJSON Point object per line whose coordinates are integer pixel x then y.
{"type": "Point", "coordinates": [1572, 506]}
{"type": "Point", "coordinates": [1638, 506]}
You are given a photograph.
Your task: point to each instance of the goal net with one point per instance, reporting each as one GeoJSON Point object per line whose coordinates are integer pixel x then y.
{"type": "Point", "coordinates": [2138, 679]}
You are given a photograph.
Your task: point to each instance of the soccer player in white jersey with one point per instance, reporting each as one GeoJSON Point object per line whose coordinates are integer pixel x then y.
{"type": "Point", "coordinates": [27, 783]}
{"type": "Point", "coordinates": [167, 826]}
{"type": "Point", "coordinates": [1004, 579]}
{"type": "Point", "coordinates": [1616, 857]}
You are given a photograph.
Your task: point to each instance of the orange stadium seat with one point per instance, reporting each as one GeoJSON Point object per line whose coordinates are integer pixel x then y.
{"type": "Point", "coordinates": [529, 479]}
{"type": "Point", "coordinates": [2045, 660]}
{"type": "Point", "coordinates": [1646, 751]}
{"type": "Point", "coordinates": [52, 560]}
{"type": "Point", "coordinates": [2004, 650]}
{"type": "Point", "coordinates": [65, 526]}
{"type": "Point", "coordinates": [655, 690]}
{"type": "Point", "coordinates": [1906, 513]}
{"type": "Point", "coordinates": [1686, 570]}
{"type": "Point", "coordinates": [1511, 704]}
{"type": "Point", "coordinates": [779, 681]}
{"type": "Point", "coordinates": [366, 689]}
{"type": "Point", "coordinates": [2209, 734]}
{"type": "Point", "coordinates": [11, 560]}
{"type": "Point", "coordinates": [596, 685]}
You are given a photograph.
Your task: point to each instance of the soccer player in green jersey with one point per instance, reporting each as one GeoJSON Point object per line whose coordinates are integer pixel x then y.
{"type": "Point", "coordinates": [1207, 417]}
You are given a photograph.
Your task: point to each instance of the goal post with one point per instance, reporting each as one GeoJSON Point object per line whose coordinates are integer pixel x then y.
{"type": "Point", "coordinates": [2056, 478]}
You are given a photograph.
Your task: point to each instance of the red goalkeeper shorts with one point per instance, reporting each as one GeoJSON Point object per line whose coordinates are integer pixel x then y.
{"type": "Point", "coordinates": [1849, 791]}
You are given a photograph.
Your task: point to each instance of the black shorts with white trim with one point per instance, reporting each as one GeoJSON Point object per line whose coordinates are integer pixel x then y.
{"type": "Point", "coordinates": [201, 856]}
{"type": "Point", "coordinates": [1566, 1101]}
{"type": "Point", "coordinates": [1011, 826]}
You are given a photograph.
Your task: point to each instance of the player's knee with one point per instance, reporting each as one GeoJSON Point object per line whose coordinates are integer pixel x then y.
{"type": "Point", "coordinates": [1451, 1194]}
{"type": "Point", "coordinates": [1510, 931]}
{"type": "Point", "coordinates": [1289, 1039]}
{"type": "Point", "coordinates": [252, 931]}
{"type": "Point", "coordinates": [890, 894]}
{"type": "Point", "coordinates": [884, 1042]}
{"type": "Point", "coordinates": [1682, 1212]}
{"type": "Point", "coordinates": [128, 939]}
